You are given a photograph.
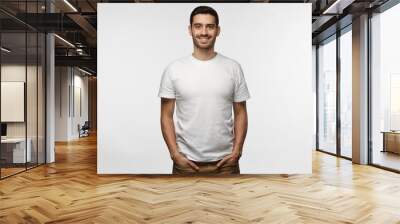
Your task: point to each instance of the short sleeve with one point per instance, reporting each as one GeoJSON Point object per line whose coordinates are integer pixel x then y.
{"type": "Point", "coordinates": [241, 92]}
{"type": "Point", "coordinates": [167, 89]}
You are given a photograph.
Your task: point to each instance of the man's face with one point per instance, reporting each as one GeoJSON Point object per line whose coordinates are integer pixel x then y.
{"type": "Point", "coordinates": [204, 31]}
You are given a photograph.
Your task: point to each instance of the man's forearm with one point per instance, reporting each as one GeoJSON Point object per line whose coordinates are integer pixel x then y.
{"type": "Point", "coordinates": [168, 131]}
{"type": "Point", "coordinates": [240, 130]}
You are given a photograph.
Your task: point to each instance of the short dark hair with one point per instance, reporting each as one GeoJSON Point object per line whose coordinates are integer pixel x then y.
{"type": "Point", "coordinates": [204, 10]}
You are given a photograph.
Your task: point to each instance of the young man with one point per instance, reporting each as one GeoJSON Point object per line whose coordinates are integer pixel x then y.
{"type": "Point", "coordinates": [205, 86]}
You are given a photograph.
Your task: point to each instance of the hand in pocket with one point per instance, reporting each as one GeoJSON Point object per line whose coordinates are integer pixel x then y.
{"type": "Point", "coordinates": [181, 161]}
{"type": "Point", "coordinates": [229, 160]}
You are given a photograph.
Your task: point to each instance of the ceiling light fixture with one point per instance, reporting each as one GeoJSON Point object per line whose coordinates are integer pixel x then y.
{"type": "Point", "coordinates": [70, 5]}
{"type": "Point", "coordinates": [84, 71]}
{"type": "Point", "coordinates": [337, 7]}
{"type": "Point", "coordinates": [64, 40]}
{"type": "Point", "coordinates": [5, 50]}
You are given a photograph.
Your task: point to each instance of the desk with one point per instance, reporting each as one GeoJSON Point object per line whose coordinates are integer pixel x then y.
{"type": "Point", "coordinates": [15, 148]}
{"type": "Point", "coordinates": [391, 141]}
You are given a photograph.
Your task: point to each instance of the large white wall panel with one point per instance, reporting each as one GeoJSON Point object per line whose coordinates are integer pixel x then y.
{"type": "Point", "coordinates": [12, 101]}
{"type": "Point", "coordinates": [272, 42]}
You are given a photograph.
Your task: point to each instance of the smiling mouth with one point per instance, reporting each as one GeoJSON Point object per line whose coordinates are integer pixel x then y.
{"type": "Point", "coordinates": [203, 39]}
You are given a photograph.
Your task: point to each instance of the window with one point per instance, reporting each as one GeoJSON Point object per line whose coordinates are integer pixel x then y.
{"type": "Point", "coordinates": [346, 93]}
{"type": "Point", "coordinates": [327, 96]}
{"type": "Point", "coordinates": [385, 89]}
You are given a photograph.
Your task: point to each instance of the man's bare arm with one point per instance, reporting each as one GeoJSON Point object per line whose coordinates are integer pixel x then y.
{"type": "Point", "coordinates": [167, 124]}
{"type": "Point", "coordinates": [240, 129]}
{"type": "Point", "coordinates": [240, 126]}
{"type": "Point", "coordinates": [168, 131]}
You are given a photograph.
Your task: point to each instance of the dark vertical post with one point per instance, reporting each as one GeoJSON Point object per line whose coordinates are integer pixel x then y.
{"type": "Point", "coordinates": [0, 94]}
{"type": "Point", "coordinates": [45, 88]}
{"type": "Point", "coordinates": [26, 85]}
{"type": "Point", "coordinates": [317, 95]}
{"type": "Point", "coordinates": [338, 91]}
{"type": "Point", "coordinates": [37, 87]}
{"type": "Point", "coordinates": [369, 81]}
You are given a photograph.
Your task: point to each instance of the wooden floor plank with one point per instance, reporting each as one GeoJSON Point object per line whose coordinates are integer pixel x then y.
{"type": "Point", "coordinates": [70, 191]}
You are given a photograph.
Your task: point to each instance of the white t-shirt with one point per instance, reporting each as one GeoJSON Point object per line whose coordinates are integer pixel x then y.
{"type": "Point", "coordinates": [204, 91]}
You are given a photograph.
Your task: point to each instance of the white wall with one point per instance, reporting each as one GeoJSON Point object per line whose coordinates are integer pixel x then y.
{"type": "Point", "coordinates": [61, 103]}
{"type": "Point", "coordinates": [271, 41]}
{"type": "Point", "coordinates": [314, 90]}
{"type": "Point", "coordinates": [68, 81]}
{"type": "Point", "coordinates": [18, 73]}
{"type": "Point", "coordinates": [80, 84]}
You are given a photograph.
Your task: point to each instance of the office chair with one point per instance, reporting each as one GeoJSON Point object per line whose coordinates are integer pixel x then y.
{"type": "Point", "coordinates": [84, 130]}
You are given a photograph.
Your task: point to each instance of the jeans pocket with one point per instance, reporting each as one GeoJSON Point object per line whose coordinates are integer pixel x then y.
{"type": "Point", "coordinates": [230, 164]}
{"type": "Point", "coordinates": [179, 167]}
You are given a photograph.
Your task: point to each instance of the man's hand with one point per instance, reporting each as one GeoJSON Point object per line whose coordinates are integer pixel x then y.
{"type": "Point", "coordinates": [182, 161]}
{"type": "Point", "coordinates": [232, 158]}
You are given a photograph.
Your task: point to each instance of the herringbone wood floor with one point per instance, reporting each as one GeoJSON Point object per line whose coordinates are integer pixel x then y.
{"type": "Point", "coordinates": [70, 191]}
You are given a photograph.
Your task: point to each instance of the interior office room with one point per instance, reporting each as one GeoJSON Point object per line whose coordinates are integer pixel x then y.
{"type": "Point", "coordinates": [23, 102]}
{"type": "Point", "coordinates": [74, 113]}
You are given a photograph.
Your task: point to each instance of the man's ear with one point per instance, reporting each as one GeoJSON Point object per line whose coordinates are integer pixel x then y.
{"type": "Point", "coordinates": [218, 31]}
{"type": "Point", "coordinates": [190, 30]}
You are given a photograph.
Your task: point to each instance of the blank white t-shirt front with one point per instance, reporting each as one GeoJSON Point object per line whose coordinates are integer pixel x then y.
{"type": "Point", "coordinates": [204, 91]}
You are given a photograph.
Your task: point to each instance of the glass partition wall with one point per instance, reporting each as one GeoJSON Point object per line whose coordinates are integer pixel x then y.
{"type": "Point", "coordinates": [327, 95]}
{"type": "Point", "coordinates": [345, 61]}
{"type": "Point", "coordinates": [385, 89]}
{"type": "Point", "coordinates": [334, 96]}
{"type": "Point", "coordinates": [334, 75]}
{"type": "Point", "coordinates": [13, 89]}
{"type": "Point", "coordinates": [22, 77]}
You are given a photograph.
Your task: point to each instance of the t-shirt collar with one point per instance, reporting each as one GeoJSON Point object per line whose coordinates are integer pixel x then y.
{"type": "Point", "coordinates": [204, 61]}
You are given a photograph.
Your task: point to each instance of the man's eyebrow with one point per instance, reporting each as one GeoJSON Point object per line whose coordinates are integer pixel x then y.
{"type": "Point", "coordinates": [207, 24]}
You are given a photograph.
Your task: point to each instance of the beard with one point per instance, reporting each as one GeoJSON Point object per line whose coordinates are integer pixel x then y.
{"type": "Point", "coordinates": [200, 45]}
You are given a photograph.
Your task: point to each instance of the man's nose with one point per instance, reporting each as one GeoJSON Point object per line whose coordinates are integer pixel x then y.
{"type": "Point", "coordinates": [203, 31]}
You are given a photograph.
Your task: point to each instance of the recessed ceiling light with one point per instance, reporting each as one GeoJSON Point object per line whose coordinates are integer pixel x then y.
{"type": "Point", "coordinates": [64, 40]}
{"type": "Point", "coordinates": [70, 5]}
{"type": "Point", "coordinates": [5, 50]}
{"type": "Point", "coordinates": [337, 7]}
{"type": "Point", "coordinates": [84, 71]}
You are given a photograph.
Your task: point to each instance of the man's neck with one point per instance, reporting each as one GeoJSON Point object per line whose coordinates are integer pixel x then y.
{"type": "Point", "coordinates": [204, 54]}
